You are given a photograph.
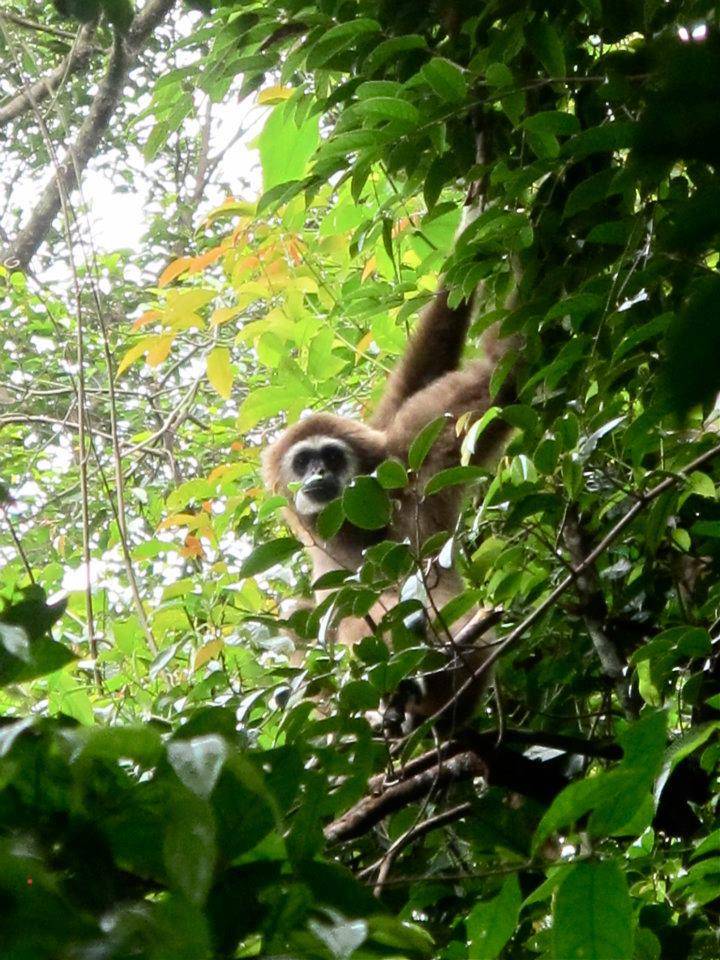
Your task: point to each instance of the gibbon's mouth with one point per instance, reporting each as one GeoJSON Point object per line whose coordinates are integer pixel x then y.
{"type": "Point", "coordinates": [322, 489]}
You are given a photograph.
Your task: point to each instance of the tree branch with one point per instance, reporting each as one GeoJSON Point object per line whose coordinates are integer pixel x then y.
{"type": "Point", "coordinates": [43, 88]}
{"type": "Point", "coordinates": [65, 178]}
{"type": "Point", "coordinates": [372, 809]}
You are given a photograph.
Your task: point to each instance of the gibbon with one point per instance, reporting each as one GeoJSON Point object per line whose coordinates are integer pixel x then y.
{"type": "Point", "coordinates": [324, 452]}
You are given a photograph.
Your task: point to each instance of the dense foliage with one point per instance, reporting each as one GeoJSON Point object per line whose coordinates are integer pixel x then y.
{"type": "Point", "coordinates": [157, 800]}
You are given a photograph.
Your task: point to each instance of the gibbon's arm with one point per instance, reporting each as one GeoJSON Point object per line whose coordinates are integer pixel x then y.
{"type": "Point", "coordinates": [434, 350]}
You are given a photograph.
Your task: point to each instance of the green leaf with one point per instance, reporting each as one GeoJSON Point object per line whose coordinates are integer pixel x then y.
{"type": "Point", "coordinates": [453, 476]}
{"type": "Point", "coordinates": [198, 761]}
{"type": "Point", "coordinates": [119, 12]}
{"type": "Point", "coordinates": [475, 432]}
{"type": "Point", "coordinates": [555, 122]}
{"type": "Point", "coordinates": [391, 475]}
{"type": "Point", "coordinates": [690, 373]}
{"type": "Point", "coordinates": [544, 41]}
{"type": "Point", "coordinates": [266, 555]}
{"type": "Point", "coordinates": [424, 441]}
{"type": "Point", "coordinates": [189, 847]}
{"type": "Point", "coordinates": [139, 743]}
{"type": "Point", "coordinates": [339, 38]}
{"type": "Point", "coordinates": [615, 797]}
{"type": "Point", "coordinates": [24, 658]}
{"type": "Point", "coordinates": [330, 519]}
{"type": "Point", "coordinates": [285, 148]}
{"type": "Point", "coordinates": [306, 837]}
{"type": "Point", "coordinates": [611, 136]}
{"type": "Point", "coordinates": [389, 50]}
{"type": "Point", "coordinates": [366, 504]}
{"type": "Point", "coordinates": [389, 108]}
{"type": "Point", "coordinates": [592, 915]}
{"type": "Point", "coordinates": [446, 79]}
{"type": "Point", "coordinates": [589, 192]}
{"type": "Point", "coordinates": [491, 923]}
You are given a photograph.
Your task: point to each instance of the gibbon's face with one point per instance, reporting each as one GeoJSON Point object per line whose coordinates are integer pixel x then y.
{"type": "Point", "coordinates": [324, 466]}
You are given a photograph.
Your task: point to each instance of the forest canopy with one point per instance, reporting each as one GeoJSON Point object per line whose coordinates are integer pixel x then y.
{"type": "Point", "coordinates": [217, 218]}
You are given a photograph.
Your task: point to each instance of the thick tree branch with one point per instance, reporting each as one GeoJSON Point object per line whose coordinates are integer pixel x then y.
{"type": "Point", "coordinates": [125, 52]}
{"type": "Point", "coordinates": [472, 755]}
{"type": "Point", "coordinates": [372, 809]}
{"type": "Point", "coordinates": [43, 88]}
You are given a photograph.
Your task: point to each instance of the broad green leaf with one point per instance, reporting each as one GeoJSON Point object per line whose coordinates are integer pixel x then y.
{"type": "Point", "coordinates": [139, 743]}
{"type": "Point", "coordinates": [189, 848]}
{"type": "Point", "coordinates": [546, 43]}
{"type": "Point", "coordinates": [474, 433]}
{"type": "Point", "coordinates": [615, 796]}
{"type": "Point", "coordinates": [451, 477]}
{"type": "Point", "coordinates": [390, 49]}
{"type": "Point", "coordinates": [339, 38]}
{"type": "Point", "coordinates": [391, 475]}
{"type": "Point", "coordinates": [424, 442]}
{"type": "Point", "coordinates": [491, 923]}
{"type": "Point", "coordinates": [198, 761]}
{"type": "Point", "coordinates": [389, 108]}
{"type": "Point", "coordinates": [366, 504]}
{"type": "Point", "coordinates": [267, 555]}
{"type": "Point", "coordinates": [446, 79]}
{"type": "Point", "coordinates": [330, 519]}
{"type": "Point", "coordinates": [285, 148]}
{"type": "Point", "coordinates": [592, 914]}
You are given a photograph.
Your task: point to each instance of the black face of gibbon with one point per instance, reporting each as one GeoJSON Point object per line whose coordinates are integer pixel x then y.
{"type": "Point", "coordinates": [323, 466]}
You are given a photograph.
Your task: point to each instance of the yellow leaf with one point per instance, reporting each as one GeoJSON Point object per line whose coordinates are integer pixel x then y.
{"type": "Point", "coordinates": [305, 284]}
{"type": "Point", "coordinates": [160, 349]}
{"type": "Point", "coordinates": [174, 270]}
{"type": "Point", "coordinates": [411, 259]}
{"type": "Point", "coordinates": [178, 520]}
{"type": "Point", "coordinates": [207, 652]}
{"type": "Point", "coordinates": [219, 371]}
{"type": "Point", "coordinates": [229, 208]}
{"type": "Point", "coordinates": [461, 424]}
{"type": "Point", "coordinates": [223, 315]}
{"type": "Point", "coordinates": [274, 95]}
{"type": "Point", "coordinates": [187, 301]}
{"type": "Point", "coordinates": [229, 471]}
{"type": "Point", "coordinates": [144, 319]}
{"type": "Point", "coordinates": [363, 343]}
{"type": "Point", "coordinates": [132, 355]}
{"type": "Point", "coordinates": [369, 268]}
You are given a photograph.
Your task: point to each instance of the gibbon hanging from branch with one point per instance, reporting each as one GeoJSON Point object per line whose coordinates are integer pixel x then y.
{"type": "Point", "coordinates": [321, 455]}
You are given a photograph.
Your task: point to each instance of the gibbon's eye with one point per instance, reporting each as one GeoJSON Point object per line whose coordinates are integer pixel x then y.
{"type": "Point", "coordinates": [333, 458]}
{"type": "Point", "coordinates": [300, 462]}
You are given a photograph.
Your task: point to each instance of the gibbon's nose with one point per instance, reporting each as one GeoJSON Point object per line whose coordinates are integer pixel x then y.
{"type": "Point", "coordinates": [316, 471]}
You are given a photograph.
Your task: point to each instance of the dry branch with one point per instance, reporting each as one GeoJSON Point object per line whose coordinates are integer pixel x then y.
{"type": "Point", "coordinates": [125, 52]}
{"type": "Point", "coordinates": [41, 89]}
